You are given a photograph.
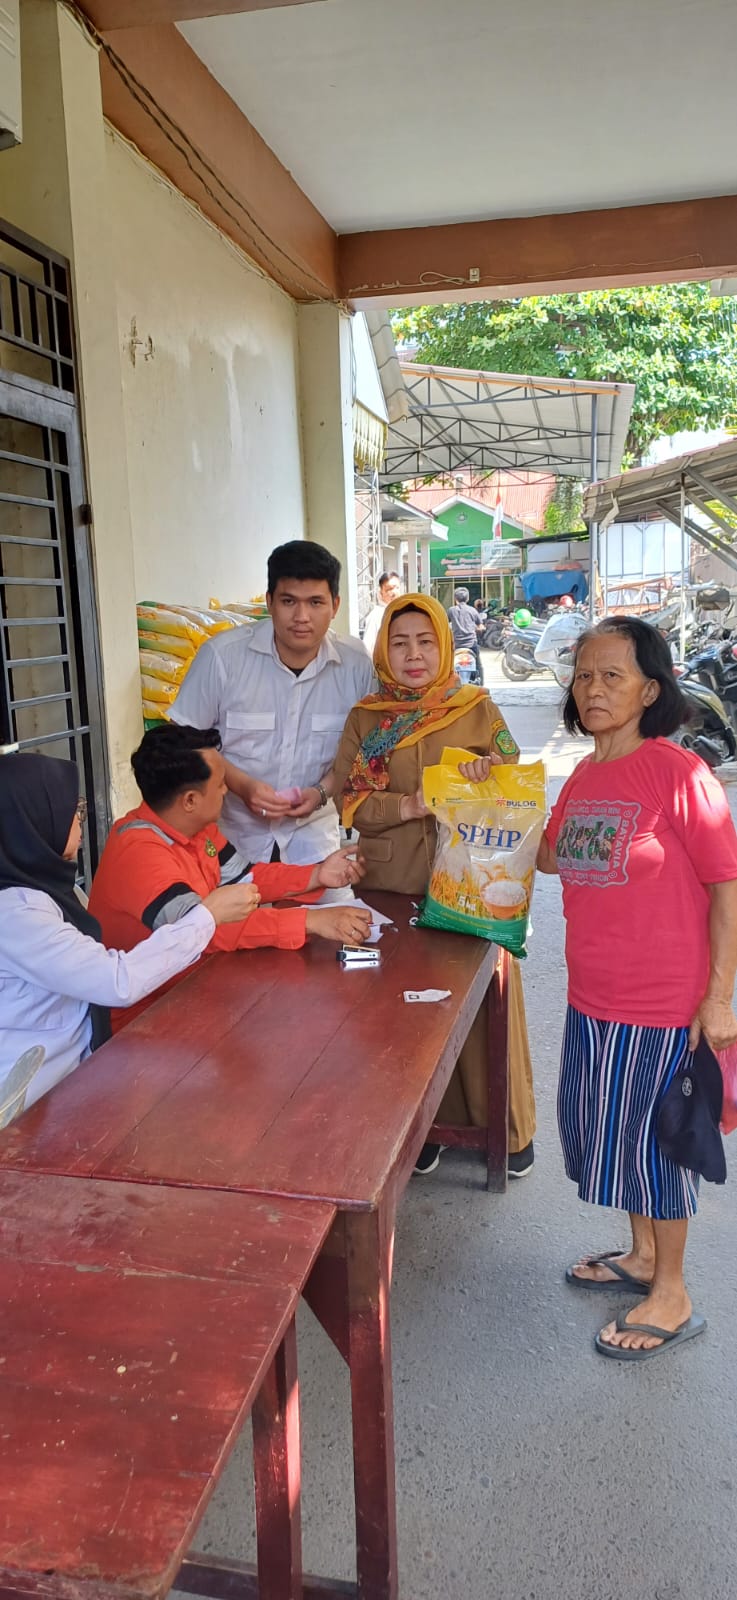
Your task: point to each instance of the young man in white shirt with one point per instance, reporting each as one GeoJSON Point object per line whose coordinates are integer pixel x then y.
{"type": "Point", "coordinates": [390, 587]}
{"type": "Point", "coordinates": [279, 692]}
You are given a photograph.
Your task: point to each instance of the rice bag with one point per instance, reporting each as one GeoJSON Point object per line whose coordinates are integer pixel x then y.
{"type": "Point", "coordinates": [488, 838]}
{"type": "Point", "coordinates": [157, 692]}
{"type": "Point", "coordinates": [167, 644]}
{"type": "Point", "coordinates": [157, 665]}
{"type": "Point", "coordinates": [161, 619]}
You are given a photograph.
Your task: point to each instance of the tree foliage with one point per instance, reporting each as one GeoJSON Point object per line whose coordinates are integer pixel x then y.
{"type": "Point", "coordinates": [673, 341]}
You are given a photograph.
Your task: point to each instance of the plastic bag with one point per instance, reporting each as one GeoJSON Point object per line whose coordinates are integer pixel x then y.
{"type": "Point", "coordinates": [728, 1063]}
{"type": "Point", "coordinates": [153, 713]}
{"type": "Point", "coordinates": [488, 838]}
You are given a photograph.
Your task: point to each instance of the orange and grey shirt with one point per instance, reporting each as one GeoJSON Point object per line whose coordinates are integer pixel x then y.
{"type": "Point", "coordinates": [150, 875]}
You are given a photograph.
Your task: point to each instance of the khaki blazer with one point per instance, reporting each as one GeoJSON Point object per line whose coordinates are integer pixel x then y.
{"type": "Point", "coordinates": [399, 855]}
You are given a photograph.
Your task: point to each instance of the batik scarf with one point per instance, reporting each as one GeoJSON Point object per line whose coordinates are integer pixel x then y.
{"type": "Point", "coordinates": [405, 715]}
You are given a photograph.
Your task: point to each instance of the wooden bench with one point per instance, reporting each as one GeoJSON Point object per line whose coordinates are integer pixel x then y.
{"type": "Point", "coordinates": [140, 1327]}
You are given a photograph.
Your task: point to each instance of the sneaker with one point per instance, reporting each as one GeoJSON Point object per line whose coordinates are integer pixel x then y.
{"type": "Point", "coordinates": [520, 1162]}
{"type": "Point", "coordinates": [428, 1158]}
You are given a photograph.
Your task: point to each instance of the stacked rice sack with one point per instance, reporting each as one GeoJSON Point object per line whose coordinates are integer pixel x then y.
{"type": "Point", "coordinates": [168, 640]}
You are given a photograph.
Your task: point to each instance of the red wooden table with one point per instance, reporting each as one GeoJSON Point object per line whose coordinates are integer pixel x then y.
{"type": "Point", "coordinates": [281, 1073]}
{"type": "Point", "coordinates": [140, 1326]}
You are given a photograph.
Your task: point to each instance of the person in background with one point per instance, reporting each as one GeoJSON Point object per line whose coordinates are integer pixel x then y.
{"type": "Point", "coordinates": [389, 738]}
{"type": "Point", "coordinates": [279, 692]}
{"type": "Point", "coordinates": [466, 625]}
{"type": "Point", "coordinates": [390, 586]}
{"type": "Point", "coordinates": [168, 854]}
{"type": "Point", "coordinates": [642, 838]}
{"type": "Point", "coordinates": [57, 980]}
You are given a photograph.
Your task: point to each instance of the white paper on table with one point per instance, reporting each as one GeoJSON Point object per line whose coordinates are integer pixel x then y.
{"type": "Point", "coordinates": [425, 996]}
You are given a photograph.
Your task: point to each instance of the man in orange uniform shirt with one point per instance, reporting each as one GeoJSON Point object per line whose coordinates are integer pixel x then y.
{"type": "Point", "coordinates": [167, 854]}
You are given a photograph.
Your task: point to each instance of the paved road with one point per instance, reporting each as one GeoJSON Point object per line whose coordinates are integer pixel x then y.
{"type": "Point", "coordinates": [528, 1467]}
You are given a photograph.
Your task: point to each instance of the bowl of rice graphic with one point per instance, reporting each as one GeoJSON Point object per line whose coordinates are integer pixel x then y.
{"type": "Point", "coordinates": [505, 898]}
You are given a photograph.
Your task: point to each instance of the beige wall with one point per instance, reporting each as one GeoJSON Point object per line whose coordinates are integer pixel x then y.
{"type": "Point", "coordinates": [209, 395]}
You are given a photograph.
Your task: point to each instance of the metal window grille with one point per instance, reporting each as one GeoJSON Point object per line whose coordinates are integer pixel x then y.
{"type": "Point", "coordinates": [50, 680]}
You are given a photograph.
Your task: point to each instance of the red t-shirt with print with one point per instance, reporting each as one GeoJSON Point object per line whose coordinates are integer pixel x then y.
{"type": "Point", "coordinates": [638, 840]}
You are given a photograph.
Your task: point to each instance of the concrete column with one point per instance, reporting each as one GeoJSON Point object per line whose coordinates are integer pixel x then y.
{"type": "Point", "coordinates": [326, 406]}
{"type": "Point", "coordinates": [53, 186]}
{"type": "Point", "coordinates": [425, 566]}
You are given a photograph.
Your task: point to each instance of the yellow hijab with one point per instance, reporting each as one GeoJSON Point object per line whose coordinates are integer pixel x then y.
{"type": "Point", "coordinates": [407, 713]}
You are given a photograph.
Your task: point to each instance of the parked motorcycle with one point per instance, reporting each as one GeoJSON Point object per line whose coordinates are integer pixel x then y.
{"type": "Point", "coordinates": [518, 659]}
{"type": "Point", "coordinates": [716, 667]}
{"type": "Point", "coordinates": [709, 731]}
{"type": "Point", "coordinates": [465, 665]}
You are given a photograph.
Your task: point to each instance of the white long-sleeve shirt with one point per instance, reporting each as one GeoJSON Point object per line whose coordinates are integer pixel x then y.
{"type": "Point", "coordinates": [50, 974]}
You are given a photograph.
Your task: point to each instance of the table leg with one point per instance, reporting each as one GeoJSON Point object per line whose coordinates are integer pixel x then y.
{"type": "Point", "coordinates": [368, 1254]}
{"type": "Point", "coordinates": [276, 1466]}
{"type": "Point", "coordinates": [497, 1117]}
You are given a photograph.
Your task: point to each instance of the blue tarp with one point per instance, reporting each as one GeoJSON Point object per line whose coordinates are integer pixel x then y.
{"type": "Point", "coordinates": [547, 582]}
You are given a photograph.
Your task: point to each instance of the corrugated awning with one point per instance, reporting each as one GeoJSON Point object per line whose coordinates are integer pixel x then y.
{"type": "Point", "coordinates": [369, 438]}
{"type": "Point", "coordinates": [460, 418]}
{"type": "Point", "coordinates": [706, 479]}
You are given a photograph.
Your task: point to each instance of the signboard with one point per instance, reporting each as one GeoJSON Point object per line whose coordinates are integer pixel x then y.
{"type": "Point", "coordinates": [496, 553]}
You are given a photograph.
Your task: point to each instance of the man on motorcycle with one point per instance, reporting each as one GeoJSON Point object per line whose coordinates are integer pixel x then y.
{"type": "Point", "coordinates": [466, 625]}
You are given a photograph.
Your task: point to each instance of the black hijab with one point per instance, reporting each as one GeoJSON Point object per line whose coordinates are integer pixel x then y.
{"type": "Point", "coordinates": [38, 799]}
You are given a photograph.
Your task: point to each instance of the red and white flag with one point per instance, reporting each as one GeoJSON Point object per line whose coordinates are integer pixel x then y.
{"type": "Point", "coordinates": [498, 518]}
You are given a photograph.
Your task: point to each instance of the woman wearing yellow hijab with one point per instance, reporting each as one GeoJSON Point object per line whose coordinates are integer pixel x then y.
{"type": "Point", "coordinates": [387, 741]}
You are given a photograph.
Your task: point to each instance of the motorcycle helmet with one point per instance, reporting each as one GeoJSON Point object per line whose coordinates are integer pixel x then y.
{"type": "Point", "coordinates": [567, 601]}
{"type": "Point", "coordinates": [523, 618]}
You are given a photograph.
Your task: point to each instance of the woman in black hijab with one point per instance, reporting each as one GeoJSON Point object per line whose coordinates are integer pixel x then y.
{"type": "Point", "coordinates": [57, 981]}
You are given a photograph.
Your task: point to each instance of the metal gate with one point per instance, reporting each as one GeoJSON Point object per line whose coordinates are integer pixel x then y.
{"type": "Point", "coordinates": [50, 679]}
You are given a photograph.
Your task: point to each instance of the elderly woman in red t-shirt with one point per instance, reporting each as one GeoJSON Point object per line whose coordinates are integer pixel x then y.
{"type": "Point", "coordinates": [646, 849]}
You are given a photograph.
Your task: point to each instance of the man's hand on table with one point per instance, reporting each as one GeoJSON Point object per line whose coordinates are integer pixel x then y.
{"type": "Point", "coordinates": [345, 924]}
{"type": "Point", "coordinates": [339, 870]}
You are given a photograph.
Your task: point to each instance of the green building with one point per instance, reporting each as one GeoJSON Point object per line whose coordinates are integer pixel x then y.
{"type": "Point", "coordinates": [473, 556]}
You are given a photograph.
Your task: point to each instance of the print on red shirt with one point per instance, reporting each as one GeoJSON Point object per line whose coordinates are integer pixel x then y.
{"type": "Point", "coordinates": [594, 842]}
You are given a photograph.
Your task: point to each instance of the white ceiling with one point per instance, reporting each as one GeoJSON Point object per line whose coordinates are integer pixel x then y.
{"type": "Point", "coordinates": [409, 112]}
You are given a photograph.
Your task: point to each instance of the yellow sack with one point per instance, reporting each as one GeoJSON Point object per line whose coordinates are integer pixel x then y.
{"type": "Point", "coordinates": [167, 644]}
{"type": "Point", "coordinates": [488, 838]}
{"type": "Point", "coordinates": [153, 712]}
{"type": "Point", "coordinates": [210, 621]}
{"type": "Point", "coordinates": [171, 669]}
{"type": "Point", "coordinates": [157, 692]}
{"type": "Point", "coordinates": [160, 619]}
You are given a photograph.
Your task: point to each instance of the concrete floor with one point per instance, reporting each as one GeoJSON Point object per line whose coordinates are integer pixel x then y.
{"type": "Point", "coordinates": [527, 1467]}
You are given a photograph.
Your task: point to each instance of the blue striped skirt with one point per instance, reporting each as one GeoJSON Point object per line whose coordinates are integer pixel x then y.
{"type": "Point", "coordinates": [612, 1075]}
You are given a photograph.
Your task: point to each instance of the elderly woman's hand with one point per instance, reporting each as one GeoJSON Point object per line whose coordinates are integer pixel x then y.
{"type": "Point", "coordinates": [478, 771]}
{"type": "Point", "coordinates": [717, 1021]}
{"type": "Point", "coordinates": [412, 807]}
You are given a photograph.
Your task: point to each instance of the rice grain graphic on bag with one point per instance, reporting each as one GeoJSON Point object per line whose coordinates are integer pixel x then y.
{"type": "Point", "coordinates": [488, 839]}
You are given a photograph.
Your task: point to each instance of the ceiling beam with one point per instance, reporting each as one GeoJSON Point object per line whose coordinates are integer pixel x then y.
{"type": "Point", "coordinates": [159, 94]}
{"type": "Point", "coordinates": [685, 239]}
{"type": "Point", "coordinates": [110, 14]}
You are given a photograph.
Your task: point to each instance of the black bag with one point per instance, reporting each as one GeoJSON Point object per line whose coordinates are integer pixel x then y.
{"type": "Point", "coordinates": [689, 1114]}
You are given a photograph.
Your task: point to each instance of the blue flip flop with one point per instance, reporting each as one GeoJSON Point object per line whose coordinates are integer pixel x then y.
{"type": "Point", "coordinates": [688, 1330]}
{"type": "Point", "coordinates": [622, 1279]}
